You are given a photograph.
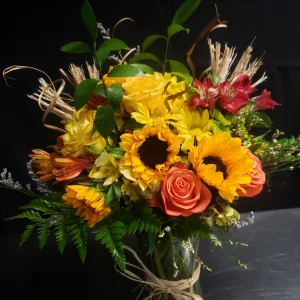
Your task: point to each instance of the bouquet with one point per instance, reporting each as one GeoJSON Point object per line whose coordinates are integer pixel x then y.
{"type": "Point", "coordinates": [155, 150]}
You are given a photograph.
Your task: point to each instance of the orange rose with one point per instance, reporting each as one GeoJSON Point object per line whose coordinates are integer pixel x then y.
{"type": "Point", "coordinates": [182, 193]}
{"type": "Point", "coordinates": [258, 179]}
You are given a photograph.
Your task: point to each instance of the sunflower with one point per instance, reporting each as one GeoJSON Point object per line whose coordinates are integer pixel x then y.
{"type": "Point", "coordinates": [149, 153]}
{"type": "Point", "coordinates": [193, 126]}
{"type": "Point", "coordinates": [88, 202]}
{"type": "Point", "coordinates": [222, 162]}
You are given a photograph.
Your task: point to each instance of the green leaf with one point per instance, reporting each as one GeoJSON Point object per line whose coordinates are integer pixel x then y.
{"type": "Point", "coordinates": [255, 147]}
{"type": "Point", "coordinates": [145, 56]}
{"type": "Point", "coordinates": [258, 119]}
{"type": "Point", "coordinates": [152, 238]}
{"type": "Point", "coordinates": [80, 239]}
{"type": "Point", "coordinates": [115, 95]}
{"type": "Point", "coordinates": [89, 20]}
{"type": "Point", "coordinates": [83, 92]}
{"type": "Point", "coordinates": [110, 195]}
{"type": "Point", "coordinates": [100, 90]}
{"type": "Point", "coordinates": [105, 120]}
{"type": "Point", "coordinates": [43, 233]}
{"type": "Point", "coordinates": [61, 235]}
{"type": "Point", "coordinates": [125, 71]}
{"type": "Point", "coordinates": [29, 214]}
{"type": "Point", "coordinates": [176, 66]}
{"type": "Point", "coordinates": [150, 40]}
{"type": "Point", "coordinates": [37, 204]}
{"type": "Point", "coordinates": [144, 68]}
{"type": "Point", "coordinates": [214, 77]}
{"type": "Point", "coordinates": [174, 29]}
{"type": "Point", "coordinates": [117, 152]}
{"type": "Point", "coordinates": [188, 78]}
{"type": "Point", "coordinates": [185, 11]}
{"type": "Point", "coordinates": [131, 124]}
{"type": "Point", "coordinates": [27, 233]}
{"type": "Point", "coordinates": [110, 233]}
{"type": "Point", "coordinates": [117, 189]}
{"type": "Point", "coordinates": [76, 47]}
{"type": "Point", "coordinates": [107, 46]}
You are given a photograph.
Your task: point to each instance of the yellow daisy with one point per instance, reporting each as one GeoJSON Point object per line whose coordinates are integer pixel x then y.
{"type": "Point", "coordinates": [89, 203]}
{"type": "Point", "coordinates": [193, 126]}
{"type": "Point", "coordinates": [222, 162]}
{"type": "Point", "coordinates": [149, 154]}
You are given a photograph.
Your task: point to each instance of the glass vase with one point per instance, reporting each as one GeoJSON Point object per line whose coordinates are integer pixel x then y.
{"type": "Point", "coordinates": [172, 260]}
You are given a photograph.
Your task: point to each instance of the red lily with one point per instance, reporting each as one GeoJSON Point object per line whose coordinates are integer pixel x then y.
{"type": "Point", "coordinates": [207, 94]}
{"type": "Point", "coordinates": [264, 101]}
{"type": "Point", "coordinates": [233, 95]}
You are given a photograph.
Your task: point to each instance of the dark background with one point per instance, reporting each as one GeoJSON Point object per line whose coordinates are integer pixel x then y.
{"type": "Point", "coordinates": [32, 33]}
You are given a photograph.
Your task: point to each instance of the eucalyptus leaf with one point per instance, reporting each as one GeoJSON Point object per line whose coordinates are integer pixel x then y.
{"type": "Point", "coordinates": [115, 95]}
{"type": "Point", "coordinates": [107, 46]}
{"type": "Point", "coordinates": [185, 11]}
{"type": "Point", "coordinates": [89, 20]}
{"type": "Point", "coordinates": [150, 40]}
{"type": "Point", "coordinates": [125, 71]}
{"type": "Point", "coordinates": [176, 66]}
{"type": "Point", "coordinates": [144, 68]}
{"type": "Point", "coordinates": [145, 56]}
{"type": "Point", "coordinates": [176, 28]}
{"type": "Point", "coordinates": [76, 47]}
{"type": "Point", "coordinates": [105, 120]}
{"type": "Point", "coordinates": [83, 92]}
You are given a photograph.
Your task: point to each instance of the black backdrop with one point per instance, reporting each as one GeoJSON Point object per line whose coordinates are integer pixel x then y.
{"type": "Point", "coordinates": [33, 31]}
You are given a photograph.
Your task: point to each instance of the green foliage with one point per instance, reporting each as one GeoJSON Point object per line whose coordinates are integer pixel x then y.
{"type": "Point", "coordinates": [89, 20]}
{"type": "Point", "coordinates": [76, 47]}
{"type": "Point", "coordinates": [258, 119]}
{"type": "Point", "coordinates": [125, 71]}
{"type": "Point", "coordinates": [115, 95]}
{"type": "Point", "coordinates": [152, 239]}
{"type": "Point", "coordinates": [192, 227]}
{"type": "Point", "coordinates": [100, 90]}
{"type": "Point", "coordinates": [83, 92]}
{"type": "Point", "coordinates": [107, 46]}
{"type": "Point", "coordinates": [188, 78]}
{"type": "Point", "coordinates": [176, 66]}
{"type": "Point", "coordinates": [145, 56]}
{"type": "Point", "coordinates": [114, 192]}
{"type": "Point", "coordinates": [29, 214]}
{"type": "Point", "coordinates": [174, 29]}
{"type": "Point", "coordinates": [43, 232]}
{"type": "Point", "coordinates": [105, 120]}
{"type": "Point", "coordinates": [214, 77]}
{"type": "Point", "coordinates": [131, 124]}
{"type": "Point", "coordinates": [37, 204]}
{"type": "Point", "coordinates": [27, 233]}
{"type": "Point", "coordinates": [150, 40]}
{"type": "Point", "coordinates": [185, 11]}
{"type": "Point", "coordinates": [79, 236]}
{"type": "Point", "coordinates": [61, 235]}
{"type": "Point", "coordinates": [110, 233]}
{"type": "Point", "coordinates": [142, 218]}
{"type": "Point", "coordinates": [144, 68]}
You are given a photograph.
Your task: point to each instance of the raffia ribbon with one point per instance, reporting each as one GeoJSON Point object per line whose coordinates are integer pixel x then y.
{"type": "Point", "coordinates": [160, 286]}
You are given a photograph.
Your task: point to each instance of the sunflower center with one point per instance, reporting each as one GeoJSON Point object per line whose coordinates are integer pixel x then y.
{"type": "Point", "coordinates": [153, 152]}
{"type": "Point", "coordinates": [220, 166]}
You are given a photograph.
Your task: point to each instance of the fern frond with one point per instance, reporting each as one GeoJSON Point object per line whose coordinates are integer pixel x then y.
{"type": "Point", "coordinates": [79, 236]}
{"type": "Point", "coordinates": [43, 233]}
{"type": "Point", "coordinates": [27, 233]}
{"type": "Point", "coordinates": [37, 204]}
{"type": "Point", "coordinates": [61, 235]}
{"type": "Point", "coordinates": [110, 234]}
{"type": "Point", "coordinates": [29, 214]}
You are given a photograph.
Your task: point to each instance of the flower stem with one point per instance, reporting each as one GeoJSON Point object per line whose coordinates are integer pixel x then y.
{"type": "Point", "coordinates": [166, 56]}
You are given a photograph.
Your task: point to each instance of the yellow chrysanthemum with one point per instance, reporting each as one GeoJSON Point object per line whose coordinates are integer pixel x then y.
{"type": "Point", "coordinates": [89, 203]}
{"type": "Point", "coordinates": [193, 126]}
{"type": "Point", "coordinates": [222, 162]}
{"type": "Point", "coordinates": [149, 154]}
{"type": "Point", "coordinates": [106, 166]}
{"type": "Point", "coordinates": [80, 138]}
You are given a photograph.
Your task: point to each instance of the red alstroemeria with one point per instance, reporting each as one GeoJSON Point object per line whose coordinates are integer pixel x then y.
{"type": "Point", "coordinates": [264, 101]}
{"type": "Point", "coordinates": [233, 95]}
{"type": "Point", "coordinates": [62, 168]}
{"type": "Point", "coordinates": [207, 94]}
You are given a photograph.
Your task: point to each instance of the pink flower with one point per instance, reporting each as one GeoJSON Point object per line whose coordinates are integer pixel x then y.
{"type": "Point", "coordinates": [233, 95]}
{"type": "Point", "coordinates": [258, 179]}
{"type": "Point", "coordinates": [264, 101]}
{"type": "Point", "coordinates": [182, 193]}
{"type": "Point", "coordinates": [207, 94]}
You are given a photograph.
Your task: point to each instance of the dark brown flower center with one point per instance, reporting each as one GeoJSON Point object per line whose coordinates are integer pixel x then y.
{"type": "Point", "coordinates": [220, 166]}
{"type": "Point", "coordinates": [153, 152]}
